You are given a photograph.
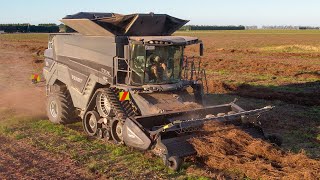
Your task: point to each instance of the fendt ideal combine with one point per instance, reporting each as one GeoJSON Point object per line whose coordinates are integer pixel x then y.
{"type": "Point", "coordinates": [91, 74]}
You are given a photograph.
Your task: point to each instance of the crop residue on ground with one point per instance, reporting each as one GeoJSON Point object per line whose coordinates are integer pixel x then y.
{"type": "Point", "coordinates": [227, 148]}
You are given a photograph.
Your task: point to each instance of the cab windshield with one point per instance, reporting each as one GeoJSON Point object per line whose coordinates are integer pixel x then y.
{"type": "Point", "coordinates": [156, 64]}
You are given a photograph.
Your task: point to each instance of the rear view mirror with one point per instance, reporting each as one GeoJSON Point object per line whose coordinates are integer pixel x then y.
{"type": "Point", "coordinates": [201, 49]}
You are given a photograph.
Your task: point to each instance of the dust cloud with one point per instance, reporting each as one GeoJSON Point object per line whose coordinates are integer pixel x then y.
{"type": "Point", "coordinates": [27, 101]}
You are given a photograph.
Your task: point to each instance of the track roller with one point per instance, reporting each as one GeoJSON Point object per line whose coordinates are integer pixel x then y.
{"type": "Point", "coordinates": [116, 131]}
{"type": "Point", "coordinates": [174, 163]}
{"type": "Point", "coordinates": [90, 123]}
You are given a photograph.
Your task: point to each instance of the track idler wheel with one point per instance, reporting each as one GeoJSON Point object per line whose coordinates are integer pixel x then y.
{"type": "Point", "coordinates": [90, 123]}
{"type": "Point", "coordinates": [174, 163]}
{"type": "Point", "coordinates": [116, 131]}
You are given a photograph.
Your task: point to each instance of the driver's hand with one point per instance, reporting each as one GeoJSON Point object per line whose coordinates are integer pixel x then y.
{"type": "Point", "coordinates": [154, 67]}
{"type": "Point", "coordinates": [164, 66]}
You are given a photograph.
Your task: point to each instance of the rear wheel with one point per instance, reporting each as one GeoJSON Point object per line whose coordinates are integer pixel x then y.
{"type": "Point", "coordinates": [60, 109]}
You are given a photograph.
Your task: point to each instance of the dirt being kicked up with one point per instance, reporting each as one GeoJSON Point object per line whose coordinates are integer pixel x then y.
{"type": "Point", "coordinates": [20, 98]}
{"type": "Point", "coordinates": [229, 149]}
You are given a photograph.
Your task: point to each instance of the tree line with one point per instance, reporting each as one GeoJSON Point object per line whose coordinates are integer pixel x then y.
{"type": "Point", "coordinates": [54, 28]}
{"type": "Point", "coordinates": [292, 27]}
{"type": "Point", "coordinates": [197, 27]}
{"type": "Point", "coordinates": [26, 28]}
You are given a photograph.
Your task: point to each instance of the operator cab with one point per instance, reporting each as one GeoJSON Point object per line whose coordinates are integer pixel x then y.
{"type": "Point", "coordinates": [157, 60]}
{"type": "Point", "coordinates": [156, 64]}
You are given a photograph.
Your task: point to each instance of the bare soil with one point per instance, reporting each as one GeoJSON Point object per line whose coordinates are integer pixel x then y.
{"type": "Point", "coordinates": [235, 63]}
{"type": "Point", "coordinates": [17, 91]}
{"type": "Point", "coordinates": [229, 148]}
{"type": "Point", "coordinates": [19, 97]}
{"type": "Point", "coordinates": [21, 161]}
{"type": "Point", "coordinates": [235, 66]}
{"type": "Point", "coordinates": [303, 98]}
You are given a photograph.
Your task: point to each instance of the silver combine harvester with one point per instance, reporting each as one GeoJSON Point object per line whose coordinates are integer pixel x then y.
{"type": "Point", "coordinates": [129, 81]}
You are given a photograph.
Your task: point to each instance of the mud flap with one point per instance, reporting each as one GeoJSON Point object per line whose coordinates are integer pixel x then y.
{"type": "Point", "coordinates": [133, 136]}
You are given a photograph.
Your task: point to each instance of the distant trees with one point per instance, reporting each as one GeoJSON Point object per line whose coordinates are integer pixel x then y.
{"type": "Point", "coordinates": [281, 27]}
{"type": "Point", "coordinates": [196, 27]}
{"type": "Point", "coordinates": [290, 27]}
{"type": "Point", "coordinates": [54, 28]}
{"type": "Point", "coordinates": [25, 28]}
{"type": "Point", "coordinates": [251, 27]}
{"type": "Point", "coordinates": [308, 27]}
{"type": "Point", "coordinates": [66, 29]}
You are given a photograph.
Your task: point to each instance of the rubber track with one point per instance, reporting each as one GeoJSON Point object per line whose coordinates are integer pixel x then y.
{"type": "Point", "coordinates": [114, 101]}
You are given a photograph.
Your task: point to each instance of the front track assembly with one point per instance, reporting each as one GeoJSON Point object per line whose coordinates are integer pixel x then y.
{"type": "Point", "coordinates": [107, 115]}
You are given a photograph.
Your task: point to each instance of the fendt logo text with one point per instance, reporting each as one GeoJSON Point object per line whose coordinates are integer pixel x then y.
{"type": "Point", "coordinates": [79, 80]}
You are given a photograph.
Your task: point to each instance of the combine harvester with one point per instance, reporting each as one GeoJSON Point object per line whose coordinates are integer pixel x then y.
{"type": "Point", "coordinates": [128, 80]}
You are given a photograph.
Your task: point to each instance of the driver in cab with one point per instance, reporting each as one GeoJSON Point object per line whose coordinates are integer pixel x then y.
{"type": "Point", "coordinates": [158, 69]}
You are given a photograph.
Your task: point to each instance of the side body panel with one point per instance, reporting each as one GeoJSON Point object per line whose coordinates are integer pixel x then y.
{"type": "Point", "coordinates": [87, 55]}
{"type": "Point", "coordinates": [81, 62]}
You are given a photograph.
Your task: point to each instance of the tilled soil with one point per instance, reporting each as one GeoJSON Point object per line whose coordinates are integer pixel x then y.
{"type": "Point", "coordinates": [228, 148]}
{"type": "Point", "coordinates": [222, 148]}
{"type": "Point", "coordinates": [311, 98]}
{"type": "Point", "coordinates": [236, 64]}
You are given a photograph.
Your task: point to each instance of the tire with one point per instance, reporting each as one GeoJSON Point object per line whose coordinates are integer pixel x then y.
{"type": "Point", "coordinates": [174, 163]}
{"type": "Point", "coordinates": [60, 109]}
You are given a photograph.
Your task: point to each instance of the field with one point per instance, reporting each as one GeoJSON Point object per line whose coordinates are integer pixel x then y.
{"type": "Point", "coordinates": [259, 68]}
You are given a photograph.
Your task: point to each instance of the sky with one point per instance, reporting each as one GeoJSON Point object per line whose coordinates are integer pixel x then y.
{"type": "Point", "coordinates": [199, 12]}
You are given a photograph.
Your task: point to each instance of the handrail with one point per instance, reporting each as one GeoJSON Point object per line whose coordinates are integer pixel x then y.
{"type": "Point", "coordinates": [193, 71]}
{"type": "Point", "coordinates": [128, 70]}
